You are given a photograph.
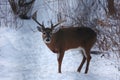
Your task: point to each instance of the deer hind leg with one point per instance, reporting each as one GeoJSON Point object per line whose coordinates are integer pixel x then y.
{"type": "Point", "coordinates": [60, 58]}
{"type": "Point", "coordinates": [88, 61]}
{"type": "Point", "coordinates": [83, 61]}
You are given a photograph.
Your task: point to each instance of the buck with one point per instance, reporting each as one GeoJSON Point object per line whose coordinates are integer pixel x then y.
{"type": "Point", "coordinates": [82, 38]}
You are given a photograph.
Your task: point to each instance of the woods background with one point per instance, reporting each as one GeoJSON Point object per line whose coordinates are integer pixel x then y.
{"type": "Point", "coordinates": [101, 15]}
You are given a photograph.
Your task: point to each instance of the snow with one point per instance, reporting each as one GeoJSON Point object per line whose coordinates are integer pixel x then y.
{"type": "Point", "coordinates": [24, 56]}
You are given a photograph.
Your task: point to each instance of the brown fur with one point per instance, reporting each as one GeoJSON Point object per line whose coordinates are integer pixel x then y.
{"type": "Point", "coordinates": [68, 38]}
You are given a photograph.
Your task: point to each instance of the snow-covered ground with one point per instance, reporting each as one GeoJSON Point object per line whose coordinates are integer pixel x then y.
{"type": "Point", "coordinates": [24, 56]}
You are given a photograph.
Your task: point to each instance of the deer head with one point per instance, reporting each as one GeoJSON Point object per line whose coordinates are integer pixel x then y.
{"type": "Point", "coordinates": [47, 32]}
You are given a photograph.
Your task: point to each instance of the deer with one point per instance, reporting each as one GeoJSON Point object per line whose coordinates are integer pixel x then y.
{"type": "Point", "coordinates": [58, 41]}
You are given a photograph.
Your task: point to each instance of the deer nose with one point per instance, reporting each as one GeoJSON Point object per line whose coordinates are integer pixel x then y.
{"type": "Point", "coordinates": [47, 39]}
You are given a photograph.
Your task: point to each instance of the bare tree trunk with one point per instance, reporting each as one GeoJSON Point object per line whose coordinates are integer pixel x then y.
{"type": "Point", "coordinates": [22, 8]}
{"type": "Point", "coordinates": [111, 8]}
{"type": "Point", "coordinates": [13, 6]}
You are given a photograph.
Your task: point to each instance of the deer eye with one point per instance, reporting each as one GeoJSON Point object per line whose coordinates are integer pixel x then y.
{"type": "Point", "coordinates": [44, 33]}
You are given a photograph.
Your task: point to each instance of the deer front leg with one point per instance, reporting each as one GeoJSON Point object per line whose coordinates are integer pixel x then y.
{"type": "Point", "coordinates": [60, 58]}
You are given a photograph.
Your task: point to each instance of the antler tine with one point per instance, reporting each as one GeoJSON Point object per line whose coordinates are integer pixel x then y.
{"type": "Point", "coordinates": [51, 23]}
{"type": "Point", "coordinates": [34, 18]}
{"type": "Point", "coordinates": [43, 24]}
{"type": "Point", "coordinates": [58, 23]}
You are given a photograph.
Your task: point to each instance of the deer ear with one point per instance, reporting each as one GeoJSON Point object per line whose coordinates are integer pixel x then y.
{"type": "Point", "coordinates": [39, 29]}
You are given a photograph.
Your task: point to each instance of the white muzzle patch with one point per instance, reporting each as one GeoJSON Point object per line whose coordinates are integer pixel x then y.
{"type": "Point", "coordinates": [47, 40]}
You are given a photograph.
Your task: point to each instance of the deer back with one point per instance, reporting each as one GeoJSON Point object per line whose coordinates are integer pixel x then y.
{"type": "Point", "coordinates": [67, 38]}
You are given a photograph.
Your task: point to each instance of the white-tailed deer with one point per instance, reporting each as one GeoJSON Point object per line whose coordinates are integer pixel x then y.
{"type": "Point", "coordinates": [82, 38]}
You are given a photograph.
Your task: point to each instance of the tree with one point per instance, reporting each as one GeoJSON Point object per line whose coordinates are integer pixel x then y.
{"type": "Point", "coordinates": [111, 8]}
{"type": "Point", "coordinates": [22, 8]}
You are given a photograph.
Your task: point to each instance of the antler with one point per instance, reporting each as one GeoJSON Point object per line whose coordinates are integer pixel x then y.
{"type": "Point", "coordinates": [53, 26]}
{"type": "Point", "coordinates": [34, 18]}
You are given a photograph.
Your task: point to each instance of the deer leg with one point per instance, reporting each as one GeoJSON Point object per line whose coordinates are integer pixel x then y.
{"type": "Point", "coordinates": [60, 58]}
{"type": "Point", "coordinates": [88, 62]}
{"type": "Point", "coordinates": [83, 61]}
